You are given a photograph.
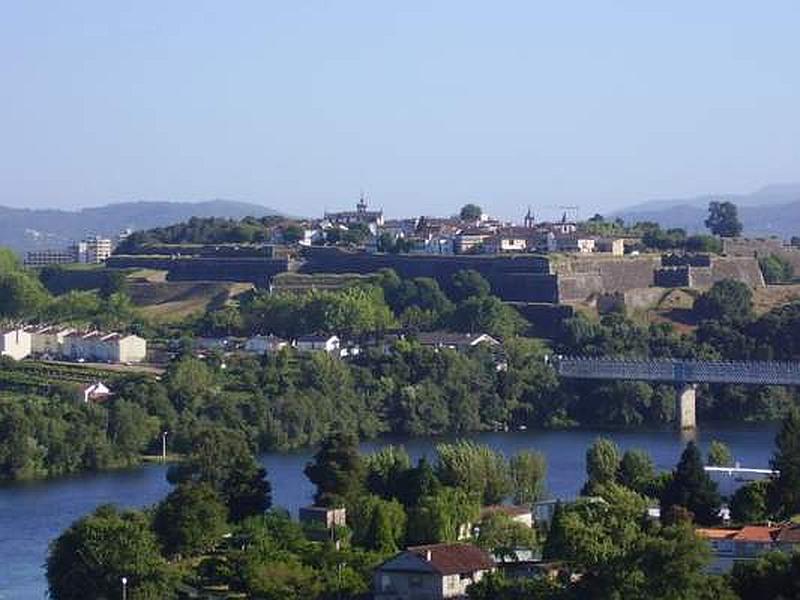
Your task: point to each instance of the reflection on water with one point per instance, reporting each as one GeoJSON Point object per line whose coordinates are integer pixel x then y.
{"type": "Point", "coordinates": [31, 514]}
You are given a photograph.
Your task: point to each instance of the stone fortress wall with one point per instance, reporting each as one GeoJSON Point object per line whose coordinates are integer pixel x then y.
{"type": "Point", "coordinates": [514, 278]}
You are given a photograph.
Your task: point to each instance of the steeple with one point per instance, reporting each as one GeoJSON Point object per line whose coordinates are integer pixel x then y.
{"type": "Point", "coordinates": [361, 207]}
{"type": "Point", "coordinates": [529, 220]}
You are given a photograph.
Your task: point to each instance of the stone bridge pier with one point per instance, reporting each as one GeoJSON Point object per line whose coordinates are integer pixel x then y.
{"type": "Point", "coordinates": [687, 405]}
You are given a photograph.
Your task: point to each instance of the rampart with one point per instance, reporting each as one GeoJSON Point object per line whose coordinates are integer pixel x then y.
{"type": "Point", "coordinates": [581, 277]}
{"type": "Point", "coordinates": [523, 278]}
{"type": "Point", "coordinates": [258, 271]}
{"type": "Point", "coordinates": [514, 278]}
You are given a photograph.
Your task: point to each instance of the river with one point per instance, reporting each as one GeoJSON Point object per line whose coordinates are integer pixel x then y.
{"type": "Point", "coordinates": [32, 514]}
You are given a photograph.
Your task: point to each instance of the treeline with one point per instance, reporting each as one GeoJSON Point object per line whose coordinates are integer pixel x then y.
{"type": "Point", "coordinates": [24, 295]}
{"type": "Point", "coordinates": [366, 309]}
{"type": "Point", "coordinates": [204, 230]}
{"type": "Point", "coordinates": [212, 532]}
{"type": "Point", "coordinates": [291, 400]}
{"type": "Point", "coordinates": [617, 551]}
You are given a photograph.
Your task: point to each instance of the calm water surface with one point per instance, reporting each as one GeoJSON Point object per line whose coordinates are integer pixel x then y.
{"type": "Point", "coordinates": [32, 514]}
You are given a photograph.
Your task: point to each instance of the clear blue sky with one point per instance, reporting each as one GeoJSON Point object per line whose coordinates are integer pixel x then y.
{"type": "Point", "coordinates": [425, 105]}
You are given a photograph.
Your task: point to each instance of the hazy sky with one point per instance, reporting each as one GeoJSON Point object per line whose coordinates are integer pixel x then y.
{"type": "Point", "coordinates": [426, 105]}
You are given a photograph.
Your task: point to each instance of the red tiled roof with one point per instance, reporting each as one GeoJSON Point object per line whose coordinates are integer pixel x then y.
{"type": "Point", "coordinates": [449, 559]}
{"type": "Point", "coordinates": [756, 533]}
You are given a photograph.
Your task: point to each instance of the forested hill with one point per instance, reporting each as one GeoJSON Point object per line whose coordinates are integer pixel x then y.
{"type": "Point", "coordinates": [27, 229]}
{"type": "Point", "coordinates": [772, 210]}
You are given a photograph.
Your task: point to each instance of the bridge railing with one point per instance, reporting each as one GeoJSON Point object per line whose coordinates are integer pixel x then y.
{"type": "Point", "coordinates": [680, 371]}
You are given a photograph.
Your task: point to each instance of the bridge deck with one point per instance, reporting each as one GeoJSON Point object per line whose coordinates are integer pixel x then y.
{"type": "Point", "coordinates": [680, 371]}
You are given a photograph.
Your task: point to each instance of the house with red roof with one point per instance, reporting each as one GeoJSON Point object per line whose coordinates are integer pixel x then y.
{"type": "Point", "coordinates": [732, 545]}
{"type": "Point", "coordinates": [431, 572]}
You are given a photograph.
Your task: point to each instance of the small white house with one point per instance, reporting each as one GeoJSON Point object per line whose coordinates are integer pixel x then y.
{"type": "Point", "coordinates": [96, 392]}
{"type": "Point", "coordinates": [15, 343]}
{"type": "Point", "coordinates": [318, 343]}
{"type": "Point", "coordinates": [265, 344]}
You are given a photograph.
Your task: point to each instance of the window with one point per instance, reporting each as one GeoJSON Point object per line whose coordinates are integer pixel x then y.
{"type": "Point", "coordinates": [415, 581]}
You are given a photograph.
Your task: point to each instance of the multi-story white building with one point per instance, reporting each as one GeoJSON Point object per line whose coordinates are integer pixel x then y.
{"type": "Point", "coordinates": [97, 346]}
{"type": "Point", "coordinates": [48, 339]}
{"type": "Point", "coordinates": [42, 258]}
{"type": "Point", "coordinates": [15, 343]}
{"type": "Point", "coordinates": [93, 250]}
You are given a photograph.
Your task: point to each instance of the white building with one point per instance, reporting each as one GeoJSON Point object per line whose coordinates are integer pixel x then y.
{"type": "Point", "coordinates": [96, 392]}
{"type": "Point", "coordinates": [265, 344]}
{"type": "Point", "coordinates": [15, 343]}
{"type": "Point", "coordinates": [41, 258]}
{"type": "Point", "coordinates": [432, 572]}
{"type": "Point", "coordinates": [48, 339]}
{"type": "Point", "coordinates": [318, 343]}
{"type": "Point", "coordinates": [93, 250]}
{"type": "Point", "coordinates": [97, 346]}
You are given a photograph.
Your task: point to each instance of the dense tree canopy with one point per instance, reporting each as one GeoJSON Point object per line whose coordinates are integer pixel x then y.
{"type": "Point", "coordinates": [723, 219]}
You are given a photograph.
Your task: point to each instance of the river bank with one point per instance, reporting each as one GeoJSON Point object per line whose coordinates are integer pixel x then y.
{"type": "Point", "coordinates": [34, 512]}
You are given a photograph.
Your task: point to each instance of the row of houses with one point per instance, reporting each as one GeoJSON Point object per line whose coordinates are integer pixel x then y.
{"type": "Point", "coordinates": [68, 343]}
{"type": "Point", "coordinates": [332, 344]}
{"type": "Point", "coordinates": [454, 235]}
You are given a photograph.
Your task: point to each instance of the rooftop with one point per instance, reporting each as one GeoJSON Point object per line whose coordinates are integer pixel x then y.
{"type": "Point", "coordinates": [449, 559]}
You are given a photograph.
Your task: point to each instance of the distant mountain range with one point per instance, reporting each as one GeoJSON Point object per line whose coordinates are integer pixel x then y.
{"type": "Point", "coordinates": [772, 210]}
{"type": "Point", "coordinates": [29, 229]}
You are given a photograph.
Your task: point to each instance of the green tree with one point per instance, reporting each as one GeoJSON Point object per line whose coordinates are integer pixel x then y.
{"type": "Point", "coordinates": [385, 471]}
{"type": "Point", "coordinates": [130, 428]}
{"type": "Point", "coordinates": [602, 464]}
{"type": "Point", "coordinates": [443, 516]}
{"type": "Point", "coordinates": [773, 576]}
{"type": "Point", "coordinates": [637, 471]}
{"type": "Point", "coordinates": [727, 300]}
{"type": "Point", "coordinates": [470, 212]}
{"type": "Point", "coordinates": [723, 219]}
{"type": "Point", "coordinates": [222, 458]}
{"type": "Point", "coordinates": [776, 269]}
{"type": "Point", "coordinates": [89, 559]}
{"type": "Point", "coordinates": [719, 455]}
{"type": "Point", "coordinates": [487, 314]}
{"type": "Point", "coordinates": [21, 295]}
{"type": "Point", "coordinates": [468, 283]}
{"type": "Point", "coordinates": [378, 524]}
{"type": "Point", "coordinates": [501, 535]}
{"type": "Point", "coordinates": [786, 460]}
{"type": "Point", "coordinates": [528, 475]}
{"type": "Point", "coordinates": [337, 470]}
{"type": "Point", "coordinates": [692, 489]}
{"type": "Point", "coordinates": [749, 502]}
{"type": "Point", "coordinates": [475, 468]}
{"type": "Point", "coordinates": [189, 381]}
{"type": "Point", "coordinates": [190, 520]}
